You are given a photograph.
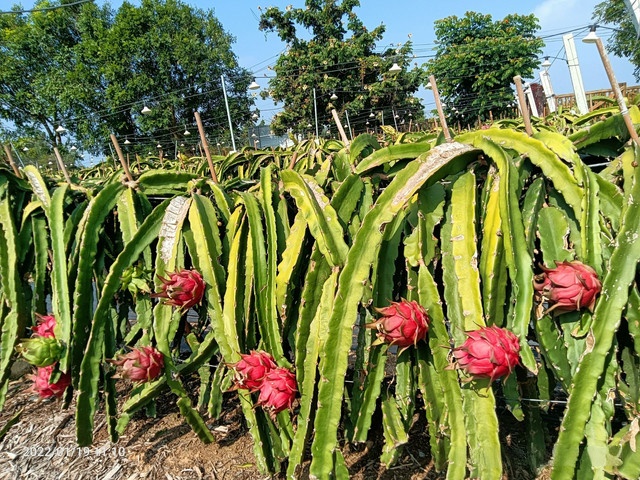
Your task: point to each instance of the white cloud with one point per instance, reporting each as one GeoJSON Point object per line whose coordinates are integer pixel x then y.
{"type": "Point", "coordinates": [564, 14]}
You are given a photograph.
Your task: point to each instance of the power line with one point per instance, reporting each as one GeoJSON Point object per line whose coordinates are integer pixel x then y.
{"type": "Point", "coordinates": [46, 9]}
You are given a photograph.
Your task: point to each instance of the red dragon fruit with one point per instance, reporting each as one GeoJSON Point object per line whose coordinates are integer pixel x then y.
{"type": "Point", "coordinates": [278, 390]}
{"type": "Point", "coordinates": [568, 287]}
{"type": "Point", "coordinates": [403, 324]}
{"type": "Point", "coordinates": [142, 364]}
{"type": "Point", "coordinates": [45, 326]}
{"type": "Point", "coordinates": [182, 289]}
{"type": "Point", "coordinates": [251, 370]}
{"type": "Point", "coordinates": [489, 352]}
{"type": "Point", "coordinates": [45, 389]}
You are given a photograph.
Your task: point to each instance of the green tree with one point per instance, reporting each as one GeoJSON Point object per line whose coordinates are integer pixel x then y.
{"type": "Point", "coordinates": [624, 41]}
{"type": "Point", "coordinates": [476, 60]}
{"type": "Point", "coordinates": [338, 60]}
{"type": "Point", "coordinates": [170, 57]}
{"type": "Point", "coordinates": [43, 81]}
{"type": "Point", "coordinates": [93, 69]}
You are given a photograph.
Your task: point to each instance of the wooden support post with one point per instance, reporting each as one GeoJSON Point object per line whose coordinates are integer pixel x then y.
{"type": "Point", "coordinates": [336, 119]}
{"type": "Point", "coordinates": [622, 104]}
{"type": "Point", "coordinates": [523, 105]}
{"type": "Point", "coordinates": [443, 120]}
{"type": "Point", "coordinates": [61, 165]}
{"type": "Point", "coordinates": [205, 146]}
{"type": "Point", "coordinates": [7, 150]}
{"type": "Point", "coordinates": [123, 162]}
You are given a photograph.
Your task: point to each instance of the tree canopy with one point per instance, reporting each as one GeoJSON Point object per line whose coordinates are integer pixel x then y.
{"type": "Point", "coordinates": [476, 60]}
{"type": "Point", "coordinates": [330, 50]}
{"type": "Point", "coordinates": [92, 70]}
{"type": "Point", "coordinates": [624, 41]}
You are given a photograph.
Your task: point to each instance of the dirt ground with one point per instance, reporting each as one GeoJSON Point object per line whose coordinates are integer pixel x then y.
{"type": "Point", "coordinates": [41, 446]}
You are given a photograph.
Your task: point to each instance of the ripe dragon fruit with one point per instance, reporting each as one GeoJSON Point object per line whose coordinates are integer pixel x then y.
{"type": "Point", "coordinates": [40, 351]}
{"type": "Point", "coordinates": [568, 287]}
{"type": "Point", "coordinates": [45, 389]}
{"type": "Point", "coordinates": [250, 371]}
{"type": "Point", "coordinates": [45, 326]}
{"type": "Point", "coordinates": [278, 390]}
{"type": "Point", "coordinates": [489, 352]}
{"type": "Point", "coordinates": [182, 289]}
{"type": "Point", "coordinates": [403, 324]}
{"type": "Point", "coordinates": [142, 364]}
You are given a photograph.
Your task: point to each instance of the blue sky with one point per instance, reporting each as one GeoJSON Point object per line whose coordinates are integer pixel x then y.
{"type": "Point", "coordinates": [256, 50]}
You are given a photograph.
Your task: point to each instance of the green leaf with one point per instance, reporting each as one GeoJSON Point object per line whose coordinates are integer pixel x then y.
{"type": "Point", "coordinates": [264, 281]}
{"type": "Point", "coordinates": [615, 289]}
{"type": "Point", "coordinates": [320, 215]}
{"type": "Point", "coordinates": [333, 364]}
{"type": "Point", "coordinates": [94, 353]}
{"type": "Point", "coordinates": [97, 210]}
{"type": "Point", "coordinates": [389, 154]}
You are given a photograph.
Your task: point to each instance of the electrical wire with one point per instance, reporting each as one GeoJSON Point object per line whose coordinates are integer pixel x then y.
{"type": "Point", "coordinates": [46, 9]}
{"type": "Point", "coordinates": [220, 121]}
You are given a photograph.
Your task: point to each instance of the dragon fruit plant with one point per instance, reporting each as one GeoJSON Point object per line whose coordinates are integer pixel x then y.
{"type": "Point", "coordinates": [258, 372]}
{"type": "Point", "coordinates": [45, 326]}
{"type": "Point", "coordinates": [277, 391]}
{"type": "Point", "coordinates": [142, 364]}
{"type": "Point", "coordinates": [182, 289]}
{"type": "Point", "coordinates": [569, 287]}
{"type": "Point", "coordinates": [403, 324]}
{"type": "Point", "coordinates": [42, 385]}
{"type": "Point", "coordinates": [489, 352]}
{"type": "Point", "coordinates": [251, 370]}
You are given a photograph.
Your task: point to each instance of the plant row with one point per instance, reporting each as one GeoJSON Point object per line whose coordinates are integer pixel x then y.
{"type": "Point", "coordinates": [326, 284]}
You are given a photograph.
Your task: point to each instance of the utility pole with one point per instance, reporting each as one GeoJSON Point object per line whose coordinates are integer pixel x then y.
{"type": "Point", "coordinates": [532, 101]}
{"type": "Point", "coordinates": [574, 71]}
{"type": "Point", "coordinates": [346, 113]}
{"type": "Point", "coordinates": [315, 111]}
{"type": "Point", "coordinates": [548, 90]}
{"type": "Point", "coordinates": [226, 104]}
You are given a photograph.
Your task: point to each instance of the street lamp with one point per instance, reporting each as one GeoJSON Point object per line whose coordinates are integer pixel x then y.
{"type": "Point", "coordinates": [145, 110]}
{"type": "Point", "coordinates": [61, 129]}
{"type": "Point", "coordinates": [395, 68]}
{"type": "Point", "coordinates": [546, 64]}
{"type": "Point", "coordinates": [254, 85]}
{"type": "Point", "coordinates": [592, 37]}
{"type": "Point", "coordinates": [333, 96]}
